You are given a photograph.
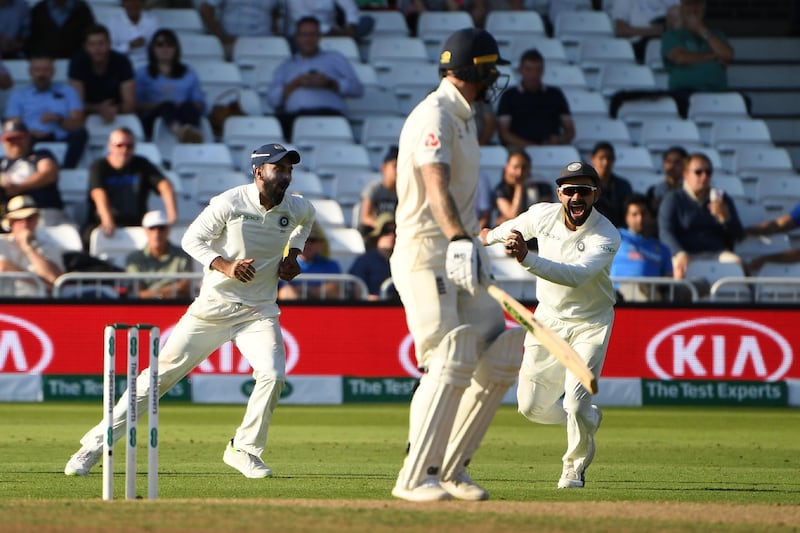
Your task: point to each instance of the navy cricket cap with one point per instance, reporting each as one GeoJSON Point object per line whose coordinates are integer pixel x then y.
{"type": "Point", "coordinates": [470, 47]}
{"type": "Point", "coordinates": [576, 170]}
{"type": "Point", "coordinates": [272, 153]}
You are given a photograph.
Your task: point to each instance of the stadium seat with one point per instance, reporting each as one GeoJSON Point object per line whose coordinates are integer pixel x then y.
{"type": "Point", "coordinates": [653, 59]}
{"type": "Point", "coordinates": [217, 74]}
{"type": "Point", "coordinates": [209, 184]}
{"type": "Point", "coordinates": [58, 149]}
{"type": "Point", "coordinates": [376, 101]}
{"type": "Point", "coordinates": [505, 26]}
{"type": "Point", "coordinates": [733, 187]}
{"type": "Point", "coordinates": [343, 44]}
{"type": "Point", "coordinates": [549, 160]}
{"type": "Point", "coordinates": [637, 112]}
{"type": "Point", "coordinates": [433, 27]}
{"type": "Point", "coordinates": [755, 161]}
{"type": "Point", "coordinates": [387, 24]}
{"type": "Point", "coordinates": [151, 152]}
{"type": "Point", "coordinates": [565, 77]}
{"type": "Point", "coordinates": [641, 180]}
{"type": "Point", "coordinates": [590, 131]}
{"type": "Point", "coordinates": [66, 236]}
{"type": "Point", "coordinates": [188, 160]}
{"type": "Point", "coordinates": [332, 161]}
{"type": "Point", "coordinates": [753, 246]}
{"type": "Point", "coordinates": [367, 75]}
{"type": "Point", "coordinates": [379, 132]}
{"type": "Point", "coordinates": [787, 291]}
{"type": "Point", "coordinates": [778, 194]}
{"type": "Point", "coordinates": [658, 134]}
{"type": "Point", "coordinates": [99, 131]}
{"type": "Point", "coordinates": [307, 183]}
{"type": "Point", "coordinates": [345, 244]}
{"type": "Point", "coordinates": [727, 135]}
{"type": "Point", "coordinates": [571, 27]}
{"type": "Point", "coordinates": [348, 188]}
{"type": "Point", "coordinates": [252, 54]}
{"type": "Point", "coordinates": [512, 278]}
{"type": "Point", "coordinates": [166, 140]}
{"type": "Point", "coordinates": [260, 78]}
{"type": "Point", "coordinates": [181, 20]}
{"type": "Point", "coordinates": [493, 160]}
{"type": "Point", "coordinates": [200, 47]}
{"type": "Point", "coordinates": [751, 214]}
{"type": "Point", "coordinates": [585, 104]}
{"type": "Point", "coordinates": [310, 130]}
{"type": "Point", "coordinates": [633, 158]}
{"type": "Point", "coordinates": [386, 50]}
{"type": "Point", "coordinates": [712, 270]}
{"type": "Point", "coordinates": [595, 53]}
{"type": "Point", "coordinates": [705, 108]}
{"type": "Point", "coordinates": [116, 248]}
{"type": "Point", "coordinates": [243, 134]}
{"type": "Point", "coordinates": [328, 212]}
{"type": "Point", "coordinates": [552, 50]}
{"type": "Point", "coordinates": [625, 77]}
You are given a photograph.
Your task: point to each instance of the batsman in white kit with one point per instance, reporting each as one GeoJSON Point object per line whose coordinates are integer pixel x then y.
{"type": "Point", "coordinates": [240, 238]}
{"type": "Point", "coordinates": [576, 300]}
{"type": "Point", "coordinates": [440, 270]}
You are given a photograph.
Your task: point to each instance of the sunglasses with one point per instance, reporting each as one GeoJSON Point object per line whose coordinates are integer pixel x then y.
{"type": "Point", "coordinates": [124, 145]}
{"type": "Point", "coordinates": [163, 43]}
{"type": "Point", "coordinates": [582, 190]}
{"type": "Point", "coordinates": [701, 171]}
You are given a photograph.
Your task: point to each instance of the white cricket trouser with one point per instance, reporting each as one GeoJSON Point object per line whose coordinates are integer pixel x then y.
{"type": "Point", "coordinates": [259, 340]}
{"type": "Point", "coordinates": [543, 380]}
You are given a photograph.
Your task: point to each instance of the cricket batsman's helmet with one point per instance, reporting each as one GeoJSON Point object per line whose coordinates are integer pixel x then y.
{"type": "Point", "coordinates": [472, 54]}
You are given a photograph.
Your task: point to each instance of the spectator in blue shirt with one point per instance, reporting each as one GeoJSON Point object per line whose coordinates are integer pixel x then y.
{"type": "Point", "coordinates": [15, 27]}
{"type": "Point", "coordinates": [373, 265]}
{"type": "Point", "coordinates": [640, 253]}
{"type": "Point", "coordinates": [168, 88]}
{"type": "Point", "coordinates": [313, 260]}
{"type": "Point", "coordinates": [313, 81]}
{"type": "Point", "coordinates": [52, 111]}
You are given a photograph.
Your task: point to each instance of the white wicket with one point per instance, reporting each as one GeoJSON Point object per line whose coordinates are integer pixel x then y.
{"type": "Point", "coordinates": [109, 360]}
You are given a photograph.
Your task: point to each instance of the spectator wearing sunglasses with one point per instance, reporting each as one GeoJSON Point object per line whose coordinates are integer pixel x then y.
{"type": "Point", "coordinates": [120, 184]}
{"type": "Point", "coordinates": [697, 221]}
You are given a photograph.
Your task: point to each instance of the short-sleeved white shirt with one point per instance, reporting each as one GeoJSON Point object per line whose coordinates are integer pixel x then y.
{"type": "Point", "coordinates": [236, 226]}
{"type": "Point", "coordinates": [440, 129]}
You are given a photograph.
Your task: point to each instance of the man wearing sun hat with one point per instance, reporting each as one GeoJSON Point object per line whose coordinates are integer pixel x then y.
{"type": "Point", "coordinates": [22, 251]}
{"type": "Point", "coordinates": [239, 239]}
{"type": "Point", "coordinates": [576, 299]}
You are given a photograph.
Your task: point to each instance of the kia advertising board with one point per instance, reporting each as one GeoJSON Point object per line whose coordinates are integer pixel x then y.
{"type": "Point", "coordinates": [673, 356]}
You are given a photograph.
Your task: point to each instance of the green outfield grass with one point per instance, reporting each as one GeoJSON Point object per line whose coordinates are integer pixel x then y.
{"type": "Point", "coordinates": [335, 466]}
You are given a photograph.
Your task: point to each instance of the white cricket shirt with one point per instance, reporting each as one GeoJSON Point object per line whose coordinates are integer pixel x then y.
{"type": "Point", "coordinates": [440, 129]}
{"type": "Point", "coordinates": [236, 226]}
{"type": "Point", "coordinates": [573, 266]}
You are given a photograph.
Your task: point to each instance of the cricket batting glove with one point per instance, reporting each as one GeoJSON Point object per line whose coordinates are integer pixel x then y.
{"type": "Point", "coordinates": [463, 265]}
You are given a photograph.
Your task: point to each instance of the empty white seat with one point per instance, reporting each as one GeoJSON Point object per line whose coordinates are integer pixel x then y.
{"type": "Point", "coordinates": [433, 27]}
{"type": "Point", "coordinates": [348, 187]}
{"type": "Point", "coordinates": [565, 77]}
{"type": "Point", "coordinates": [376, 101]}
{"type": "Point", "coordinates": [151, 152]}
{"type": "Point", "coordinates": [729, 134]}
{"type": "Point", "coordinates": [493, 159]}
{"type": "Point", "coordinates": [778, 193]}
{"type": "Point", "coordinates": [243, 134]}
{"type": "Point", "coordinates": [712, 271]}
{"type": "Point", "coordinates": [633, 158]}
{"type": "Point", "coordinates": [258, 57]}
{"type": "Point", "coordinates": [552, 50]}
{"type": "Point", "coordinates": [116, 248]}
{"type": "Point", "coordinates": [625, 77]}
{"type": "Point", "coordinates": [345, 245]}
{"type": "Point", "coordinates": [343, 44]}
{"type": "Point", "coordinates": [337, 161]}
{"type": "Point", "coordinates": [66, 236]}
{"type": "Point", "coordinates": [705, 106]}
{"type": "Point", "coordinates": [788, 291]}
{"type": "Point", "coordinates": [585, 103]}
{"type": "Point", "coordinates": [367, 75]}
{"type": "Point", "coordinates": [386, 50]}
{"type": "Point", "coordinates": [217, 73]}
{"type": "Point", "coordinates": [388, 23]}
{"type": "Point", "coordinates": [751, 214]}
{"type": "Point", "coordinates": [641, 180]}
{"type": "Point", "coordinates": [200, 46]}
{"type": "Point", "coordinates": [549, 160]}
{"type": "Point", "coordinates": [378, 133]}
{"type": "Point", "coordinates": [753, 246]}
{"type": "Point", "coordinates": [328, 212]}
{"type": "Point", "coordinates": [309, 130]}
{"type": "Point", "coordinates": [181, 20]}
{"type": "Point", "coordinates": [637, 112]}
{"type": "Point", "coordinates": [209, 184]}
{"type": "Point", "coordinates": [306, 183]}
{"type": "Point", "coordinates": [505, 25]}
{"type": "Point", "coordinates": [733, 187]}
{"type": "Point", "coordinates": [589, 131]}
{"type": "Point", "coordinates": [595, 53]}
{"type": "Point", "coordinates": [661, 133]}
{"type": "Point", "coordinates": [191, 159]}
{"type": "Point", "coordinates": [73, 185]}
{"type": "Point", "coordinates": [570, 27]}
{"type": "Point", "coordinates": [761, 160]}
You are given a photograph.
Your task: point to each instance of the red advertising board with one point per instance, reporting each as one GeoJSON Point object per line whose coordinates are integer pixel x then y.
{"type": "Point", "coordinates": [373, 341]}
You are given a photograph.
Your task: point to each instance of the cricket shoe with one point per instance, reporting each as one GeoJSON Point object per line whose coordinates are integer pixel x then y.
{"type": "Point", "coordinates": [570, 479]}
{"type": "Point", "coordinates": [248, 464]}
{"type": "Point", "coordinates": [82, 461]}
{"type": "Point", "coordinates": [430, 490]}
{"type": "Point", "coordinates": [464, 488]}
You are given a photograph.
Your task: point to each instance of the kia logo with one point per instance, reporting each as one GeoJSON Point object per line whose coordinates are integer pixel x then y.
{"type": "Point", "coordinates": [720, 347]}
{"type": "Point", "coordinates": [23, 343]}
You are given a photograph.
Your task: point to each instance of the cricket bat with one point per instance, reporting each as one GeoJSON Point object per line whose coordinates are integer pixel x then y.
{"type": "Point", "coordinates": [557, 346]}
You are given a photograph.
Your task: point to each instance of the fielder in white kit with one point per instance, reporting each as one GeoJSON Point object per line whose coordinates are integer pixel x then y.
{"type": "Point", "coordinates": [439, 269]}
{"type": "Point", "coordinates": [240, 238]}
{"type": "Point", "coordinates": [576, 299]}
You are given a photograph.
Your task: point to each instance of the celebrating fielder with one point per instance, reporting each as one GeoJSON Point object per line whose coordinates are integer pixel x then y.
{"type": "Point", "coordinates": [240, 239]}
{"type": "Point", "coordinates": [439, 270]}
{"type": "Point", "coordinates": [576, 299]}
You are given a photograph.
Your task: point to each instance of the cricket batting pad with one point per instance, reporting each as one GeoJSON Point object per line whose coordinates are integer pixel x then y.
{"type": "Point", "coordinates": [434, 405]}
{"type": "Point", "coordinates": [497, 370]}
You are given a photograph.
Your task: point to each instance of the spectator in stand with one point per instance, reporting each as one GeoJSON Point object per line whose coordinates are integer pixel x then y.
{"type": "Point", "coordinates": [168, 88]}
{"type": "Point", "coordinates": [15, 27]}
{"type": "Point", "coordinates": [640, 253]}
{"type": "Point", "coordinates": [313, 81]}
{"type": "Point", "coordinates": [313, 260]}
{"type": "Point", "coordinates": [132, 29]}
{"type": "Point", "coordinates": [614, 189]}
{"type": "Point", "coordinates": [5, 78]}
{"type": "Point", "coordinates": [23, 251]}
{"type": "Point", "coordinates": [485, 122]}
{"type": "Point", "coordinates": [373, 265]}
{"type": "Point", "coordinates": [785, 222]}
{"type": "Point", "coordinates": [380, 196]}
{"type": "Point", "coordinates": [52, 111]}
{"type": "Point", "coordinates": [231, 19]}
{"type": "Point", "coordinates": [640, 21]}
{"type": "Point", "coordinates": [698, 221]}
{"type": "Point", "coordinates": [336, 17]}
{"type": "Point", "coordinates": [672, 162]}
{"type": "Point", "coordinates": [531, 112]}
{"type": "Point", "coordinates": [696, 58]}
{"type": "Point", "coordinates": [30, 172]}
{"type": "Point", "coordinates": [516, 191]}
{"type": "Point", "coordinates": [58, 27]}
{"type": "Point", "coordinates": [103, 77]}
{"type": "Point", "coordinates": [119, 186]}
{"type": "Point", "coordinates": [160, 255]}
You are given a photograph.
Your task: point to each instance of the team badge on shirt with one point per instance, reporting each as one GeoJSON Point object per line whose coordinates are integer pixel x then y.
{"type": "Point", "coordinates": [581, 246]}
{"type": "Point", "coordinates": [432, 140]}
{"type": "Point", "coordinates": [284, 221]}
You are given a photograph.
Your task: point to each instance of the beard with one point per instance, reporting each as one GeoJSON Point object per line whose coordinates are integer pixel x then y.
{"type": "Point", "coordinates": [577, 213]}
